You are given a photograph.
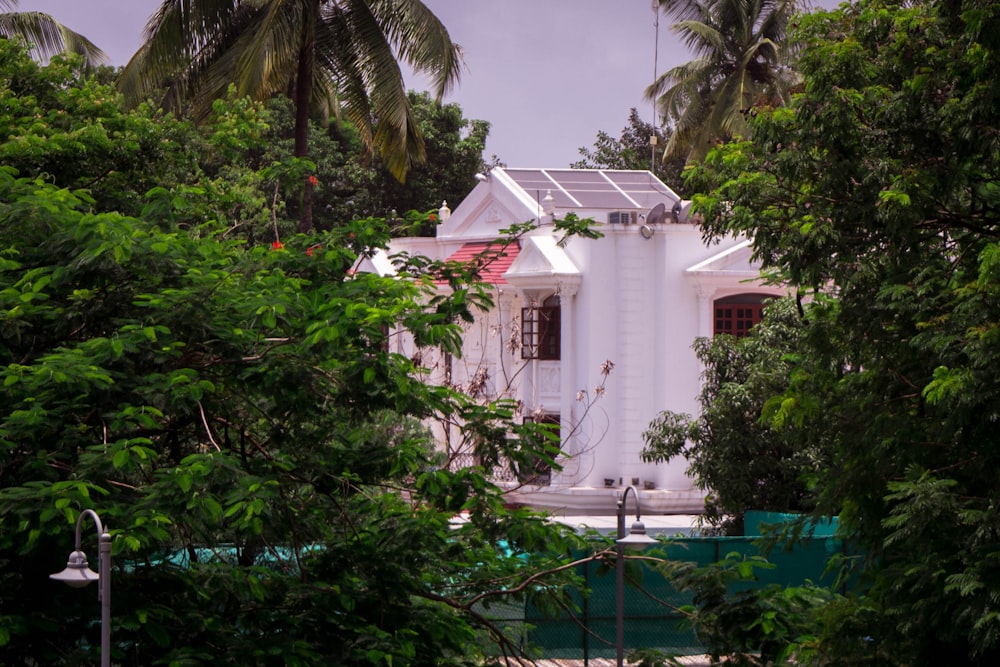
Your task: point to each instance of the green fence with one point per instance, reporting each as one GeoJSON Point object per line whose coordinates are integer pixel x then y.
{"type": "Point", "coordinates": [651, 619]}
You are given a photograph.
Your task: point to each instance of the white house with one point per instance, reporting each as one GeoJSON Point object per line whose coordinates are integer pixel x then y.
{"type": "Point", "coordinates": [595, 334]}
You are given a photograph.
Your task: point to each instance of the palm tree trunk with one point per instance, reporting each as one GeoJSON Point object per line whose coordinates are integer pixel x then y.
{"type": "Point", "coordinates": [303, 90]}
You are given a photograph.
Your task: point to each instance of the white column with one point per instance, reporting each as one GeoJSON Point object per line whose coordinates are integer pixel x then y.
{"type": "Point", "coordinates": [706, 297]}
{"type": "Point", "coordinates": [567, 382]}
{"type": "Point", "coordinates": [632, 337]}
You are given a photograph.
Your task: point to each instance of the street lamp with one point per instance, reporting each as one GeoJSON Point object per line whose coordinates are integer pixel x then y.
{"type": "Point", "coordinates": [635, 539]}
{"type": "Point", "coordinates": [78, 574]}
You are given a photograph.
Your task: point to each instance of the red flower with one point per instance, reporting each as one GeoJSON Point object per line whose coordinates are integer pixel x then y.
{"type": "Point", "coordinates": [312, 248]}
{"type": "Point", "coordinates": [277, 245]}
{"type": "Point", "coordinates": [433, 217]}
{"type": "Point", "coordinates": [313, 181]}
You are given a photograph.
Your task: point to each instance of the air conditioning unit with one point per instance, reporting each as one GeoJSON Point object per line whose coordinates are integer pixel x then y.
{"type": "Point", "coordinates": [622, 217]}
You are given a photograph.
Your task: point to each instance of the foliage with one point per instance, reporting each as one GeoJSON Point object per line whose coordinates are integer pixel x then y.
{"type": "Point", "coordinates": [335, 161]}
{"type": "Point", "coordinates": [877, 186]}
{"type": "Point", "coordinates": [742, 623]}
{"type": "Point", "coordinates": [734, 451]}
{"type": "Point", "coordinates": [454, 146]}
{"type": "Point", "coordinates": [632, 151]}
{"type": "Point", "coordinates": [69, 129]}
{"type": "Point", "coordinates": [352, 184]}
{"type": "Point", "coordinates": [77, 136]}
{"type": "Point", "coordinates": [235, 415]}
{"type": "Point", "coordinates": [328, 57]}
{"type": "Point", "coordinates": [742, 62]}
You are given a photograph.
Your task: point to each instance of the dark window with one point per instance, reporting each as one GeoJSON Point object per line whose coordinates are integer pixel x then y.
{"type": "Point", "coordinates": [540, 330]}
{"type": "Point", "coordinates": [735, 315]}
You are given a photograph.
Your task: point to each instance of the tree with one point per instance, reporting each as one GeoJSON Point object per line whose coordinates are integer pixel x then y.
{"type": "Point", "coordinates": [454, 147]}
{"type": "Point", "coordinates": [235, 414]}
{"type": "Point", "coordinates": [742, 460]}
{"type": "Point", "coordinates": [324, 55]}
{"type": "Point", "coordinates": [741, 63]}
{"type": "Point", "coordinates": [877, 187]}
{"type": "Point", "coordinates": [47, 36]}
{"type": "Point", "coordinates": [65, 126]}
{"type": "Point", "coordinates": [354, 184]}
{"type": "Point", "coordinates": [632, 150]}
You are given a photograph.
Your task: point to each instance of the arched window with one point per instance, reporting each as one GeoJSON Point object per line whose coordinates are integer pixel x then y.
{"type": "Point", "coordinates": [540, 334]}
{"type": "Point", "coordinates": [736, 314]}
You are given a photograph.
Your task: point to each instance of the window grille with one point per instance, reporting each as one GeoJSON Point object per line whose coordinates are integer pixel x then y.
{"type": "Point", "coordinates": [736, 315]}
{"type": "Point", "coordinates": [540, 330]}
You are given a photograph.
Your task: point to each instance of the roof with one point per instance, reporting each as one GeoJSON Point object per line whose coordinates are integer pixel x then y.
{"type": "Point", "coordinates": [735, 260]}
{"type": "Point", "coordinates": [491, 258]}
{"type": "Point", "coordinates": [593, 188]}
{"type": "Point", "coordinates": [542, 263]}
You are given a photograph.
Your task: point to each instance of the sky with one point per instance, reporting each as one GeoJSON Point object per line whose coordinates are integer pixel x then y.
{"type": "Point", "coordinates": [547, 74]}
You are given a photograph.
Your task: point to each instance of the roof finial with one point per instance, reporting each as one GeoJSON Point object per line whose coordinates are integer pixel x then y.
{"type": "Point", "coordinates": [548, 204]}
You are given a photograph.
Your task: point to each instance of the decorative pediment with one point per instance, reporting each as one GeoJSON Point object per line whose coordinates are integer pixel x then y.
{"type": "Point", "coordinates": [731, 270]}
{"type": "Point", "coordinates": [736, 261]}
{"type": "Point", "coordinates": [481, 219]}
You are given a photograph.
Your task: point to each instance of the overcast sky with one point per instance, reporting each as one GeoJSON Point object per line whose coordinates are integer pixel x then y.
{"type": "Point", "coordinates": [547, 74]}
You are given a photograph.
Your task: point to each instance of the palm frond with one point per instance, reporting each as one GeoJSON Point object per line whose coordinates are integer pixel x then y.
{"type": "Point", "coordinates": [740, 62]}
{"type": "Point", "coordinates": [370, 82]}
{"type": "Point", "coordinates": [47, 37]}
{"type": "Point", "coordinates": [682, 10]}
{"type": "Point", "coordinates": [700, 37]}
{"type": "Point", "coordinates": [177, 35]}
{"type": "Point", "coordinates": [422, 41]}
{"type": "Point", "coordinates": [269, 47]}
{"type": "Point", "coordinates": [350, 50]}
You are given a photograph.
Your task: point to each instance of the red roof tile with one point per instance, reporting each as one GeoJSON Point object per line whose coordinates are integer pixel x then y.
{"type": "Point", "coordinates": [491, 257]}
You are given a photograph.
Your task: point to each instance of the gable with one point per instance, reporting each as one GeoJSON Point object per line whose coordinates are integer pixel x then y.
{"type": "Point", "coordinates": [736, 262]}
{"type": "Point", "coordinates": [542, 263]}
{"type": "Point", "coordinates": [488, 209]}
{"type": "Point", "coordinates": [731, 271]}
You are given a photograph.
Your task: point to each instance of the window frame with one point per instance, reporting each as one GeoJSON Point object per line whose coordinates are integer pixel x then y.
{"type": "Point", "coordinates": [737, 314]}
{"type": "Point", "coordinates": [541, 330]}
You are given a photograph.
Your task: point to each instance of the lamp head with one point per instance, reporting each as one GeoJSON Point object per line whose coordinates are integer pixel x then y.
{"type": "Point", "coordinates": [77, 573]}
{"type": "Point", "coordinates": [637, 537]}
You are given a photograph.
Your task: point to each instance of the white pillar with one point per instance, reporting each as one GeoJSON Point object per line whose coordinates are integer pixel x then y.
{"type": "Point", "coordinates": [567, 383]}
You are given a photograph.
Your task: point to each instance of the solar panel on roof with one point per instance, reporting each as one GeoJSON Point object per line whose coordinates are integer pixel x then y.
{"type": "Point", "coordinates": [594, 188]}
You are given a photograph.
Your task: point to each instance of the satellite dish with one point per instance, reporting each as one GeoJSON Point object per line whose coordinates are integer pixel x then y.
{"type": "Point", "coordinates": [656, 214]}
{"type": "Point", "coordinates": [681, 211]}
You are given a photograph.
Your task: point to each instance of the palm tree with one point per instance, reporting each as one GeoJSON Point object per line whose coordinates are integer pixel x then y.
{"type": "Point", "coordinates": [46, 36]}
{"type": "Point", "coordinates": [741, 60]}
{"type": "Point", "coordinates": [327, 55]}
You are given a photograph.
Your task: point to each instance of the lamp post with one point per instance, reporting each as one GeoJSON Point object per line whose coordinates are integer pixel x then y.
{"type": "Point", "coordinates": [78, 574]}
{"type": "Point", "coordinates": [635, 539]}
